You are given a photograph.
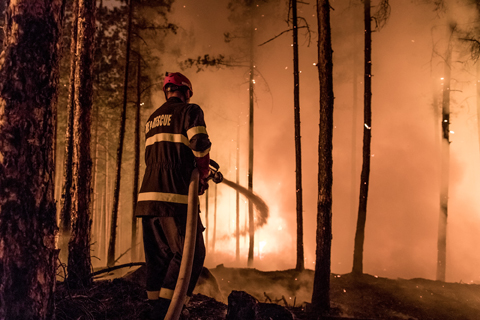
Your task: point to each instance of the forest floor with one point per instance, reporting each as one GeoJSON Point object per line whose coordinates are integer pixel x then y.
{"type": "Point", "coordinates": [364, 297]}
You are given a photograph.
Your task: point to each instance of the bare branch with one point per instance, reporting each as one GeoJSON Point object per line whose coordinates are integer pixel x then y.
{"type": "Point", "coordinates": [128, 265]}
{"type": "Point", "coordinates": [308, 30]}
{"type": "Point", "coordinates": [278, 35]}
{"type": "Point", "coordinates": [381, 15]}
{"type": "Point", "coordinates": [474, 47]}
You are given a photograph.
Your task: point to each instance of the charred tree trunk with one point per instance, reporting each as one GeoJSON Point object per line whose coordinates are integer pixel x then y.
{"type": "Point", "coordinates": [66, 207]}
{"type": "Point", "coordinates": [136, 172]}
{"type": "Point", "coordinates": [207, 229]}
{"type": "Point", "coordinates": [445, 162]}
{"type": "Point", "coordinates": [355, 70]}
{"type": "Point", "coordinates": [321, 282]}
{"type": "Point", "coordinates": [123, 116]}
{"type": "Point", "coordinates": [29, 73]}
{"type": "Point", "coordinates": [298, 146]}
{"type": "Point", "coordinates": [214, 218]}
{"type": "Point", "coordinates": [251, 221]}
{"type": "Point", "coordinates": [367, 137]}
{"type": "Point", "coordinates": [79, 261]}
{"type": "Point", "coordinates": [237, 198]}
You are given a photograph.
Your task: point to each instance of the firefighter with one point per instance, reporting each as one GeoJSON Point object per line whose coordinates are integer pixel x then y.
{"type": "Point", "coordinates": [176, 143]}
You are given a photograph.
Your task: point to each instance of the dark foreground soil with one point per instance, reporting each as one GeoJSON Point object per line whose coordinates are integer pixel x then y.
{"type": "Point", "coordinates": [365, 297]}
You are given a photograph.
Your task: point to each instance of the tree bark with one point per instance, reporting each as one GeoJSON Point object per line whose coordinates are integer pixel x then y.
{"type": "Point", "coordinates": [321, 282]}
{"type": "Point", "coordinates": [123, 116]}
{"type": "Point", "coordinates": [29, 74]}
{"type": "Point", "coordinates": [79, 261]}
{"type": "Point", "coordinates": [2, 22]}
{"type": "Point", "coordinates": [298, 146]}
{"type": "Point", "coordinates": [367, 137]}
{"type": "Point", "coordinates": [445, 161]}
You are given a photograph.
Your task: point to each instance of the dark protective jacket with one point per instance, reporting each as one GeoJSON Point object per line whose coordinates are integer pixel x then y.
{"type": "Point", "coordinates": [174, 135]}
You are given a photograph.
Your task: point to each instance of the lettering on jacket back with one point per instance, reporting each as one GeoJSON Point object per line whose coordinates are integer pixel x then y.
{"type": "Point", "coordinates": [161, 120]}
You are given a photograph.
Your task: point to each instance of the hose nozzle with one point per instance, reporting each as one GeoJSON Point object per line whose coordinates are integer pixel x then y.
{"type": "Point", "coordinates": [215, 175]}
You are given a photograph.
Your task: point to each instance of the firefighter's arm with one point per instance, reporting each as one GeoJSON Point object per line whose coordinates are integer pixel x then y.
{"type": "Point", "coordinates": [203, 167]}
{"type": "Point", "coordinates": [203, 164]}
{"type": "Point", "coordinates": [199, 142]}
{"type": "Point", "coordinates": [203, 170]}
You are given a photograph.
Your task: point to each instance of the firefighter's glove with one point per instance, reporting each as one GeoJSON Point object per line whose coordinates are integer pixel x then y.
{"type": "Point", "coordinates": [202, 186]}
{"type": "Point", "coordinates": [203, 166]}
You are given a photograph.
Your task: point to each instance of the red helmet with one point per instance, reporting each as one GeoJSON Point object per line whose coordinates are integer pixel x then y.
{"type": "Point", "coordinates": [177, 79]}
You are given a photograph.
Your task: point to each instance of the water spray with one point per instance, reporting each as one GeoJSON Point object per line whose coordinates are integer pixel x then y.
{"type": "Point", "coordinates": [217, 177]}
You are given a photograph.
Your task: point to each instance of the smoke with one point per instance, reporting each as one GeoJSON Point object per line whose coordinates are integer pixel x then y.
{"type": "Point", "coordinates": [403, 202]}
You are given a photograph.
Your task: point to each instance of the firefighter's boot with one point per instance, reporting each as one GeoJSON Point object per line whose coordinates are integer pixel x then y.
{"type": "Point", "coordinates": [160, 308]}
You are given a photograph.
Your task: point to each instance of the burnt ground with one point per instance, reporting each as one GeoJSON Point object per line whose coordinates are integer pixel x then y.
{"type": "Point", "coordinates": [364, 297]}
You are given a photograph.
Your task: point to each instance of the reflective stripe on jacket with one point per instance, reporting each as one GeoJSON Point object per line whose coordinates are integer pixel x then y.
{"type": "Point", "coordinates": [174, 135]}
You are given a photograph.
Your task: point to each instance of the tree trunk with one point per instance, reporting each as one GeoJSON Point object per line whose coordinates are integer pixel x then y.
{"type": "Point", "coordinates": [29, 74]}
{"type": "Point", "coordinates": [298, 146]}
{"type": "Point", "coordinates": [66, 207]}
{"type": "Point", "coordinates": [251, 222]}
{"type": "Point", "coordinates": [478, 101]}
{"type": "Point", "coordinates": [79, 261]}
{"type": "Point", "coordinates": [2, 23]}
{"type": "Point", "coordinates": [96, 207]}
{"type": "Point", "coordinates": [367, 137]}
{"type": "Point", "coordinates": [214, 218]}
{"type": "Point", "coordinates": [237, 197]}
{"type": "Point", "coordinates": [353, 169]}
{"type": "Point", "coordinates": [136, 168]}
{"type": "Point", "coordinates": [321, 282]}
{"type": "Point", "coordinates": [445, 162]}
{"type": "Point", "coordinates": [123, 116]}
{"type": "Point", "coordinates": [94, 202]}
{"type": "Point", "coordinates": [207, 229]}
{"type": "Point", "coordinates": [478, 88]}
{"type": "Point", "coordinates": [58, 181]}
{"type": "Point", "coordinates": [106, 198]}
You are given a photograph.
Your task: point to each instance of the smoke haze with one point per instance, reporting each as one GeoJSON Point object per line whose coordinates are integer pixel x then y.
{"type": "Point", "coordinates": [403, 200]}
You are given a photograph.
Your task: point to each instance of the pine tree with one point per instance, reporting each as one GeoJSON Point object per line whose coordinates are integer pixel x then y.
{"type": "Point", "coordinates": [298, 146]}
{"type": "Point", "coordinates": [29, 74]}
{"type": "Point", "coordinates": [321, 282]}
{"type": "Point", "coordinates": [116, 191]}
{"type": "Point", "coordinates": [445, 161]}
{"type": "Point", "coordinates": [380, 17]}
{"type": "Point", "coordinates": [66, 201]}
{"type": "Point", "coordinates": [79, 261]}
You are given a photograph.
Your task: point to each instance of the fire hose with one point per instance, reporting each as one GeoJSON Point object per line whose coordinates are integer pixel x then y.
{"type": "Point", "coordinates": [178, 299]}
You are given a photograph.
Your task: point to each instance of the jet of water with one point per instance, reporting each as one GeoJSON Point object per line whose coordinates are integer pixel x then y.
{"type": "Point", "coordinates": [262, 208]}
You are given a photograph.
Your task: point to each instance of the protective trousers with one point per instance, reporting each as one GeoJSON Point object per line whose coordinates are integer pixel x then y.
{"type": "Point", "coordinates": [163, 239]}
